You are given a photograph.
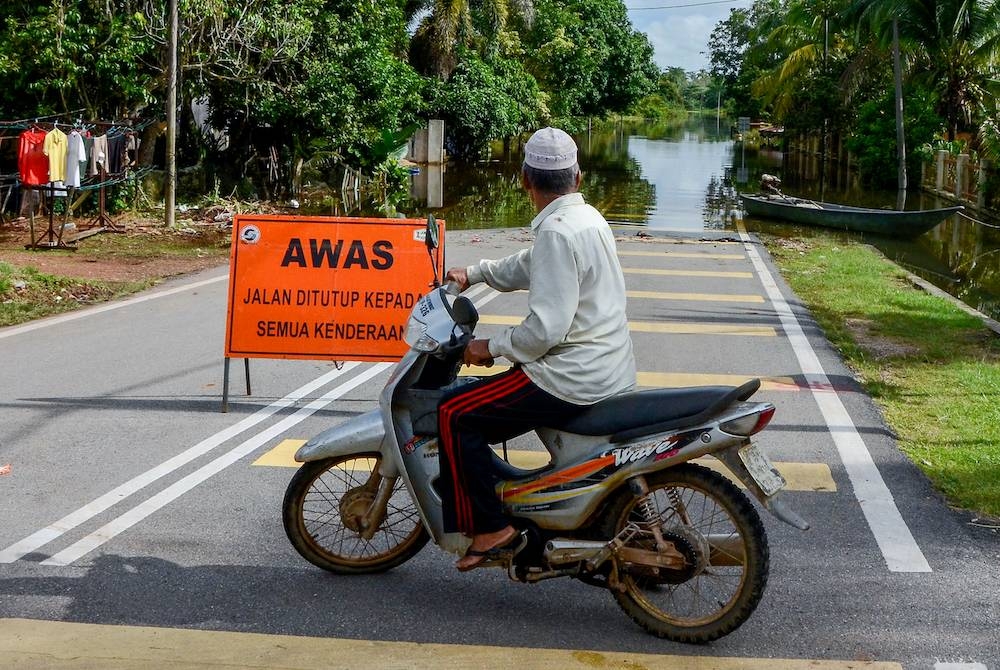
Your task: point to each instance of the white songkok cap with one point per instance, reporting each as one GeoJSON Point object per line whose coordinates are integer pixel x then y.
{"type": "Point", "coordinates": [550, 149]}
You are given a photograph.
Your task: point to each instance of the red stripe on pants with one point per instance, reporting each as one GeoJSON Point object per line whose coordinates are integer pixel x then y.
{"type": "Point", "coordinates": [478, 397]}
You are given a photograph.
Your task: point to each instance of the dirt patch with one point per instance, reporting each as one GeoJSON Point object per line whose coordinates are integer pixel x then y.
{"type": "Point", "coordinates": [877, 346]}
{"type": "Point", "coordinates": [144, 250]}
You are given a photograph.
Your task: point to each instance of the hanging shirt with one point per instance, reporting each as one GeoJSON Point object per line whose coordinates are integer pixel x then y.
{"type": "Point", "coordinates": [116, 154]}
{"type": "Point", "coordinates": [32, 164]}
{"type": "Point", "coordinates": [55, 149]}
{"type": "Point", "coordinates": [76, 158]}
{"type": "Point", "coordinates": [131, 150]}
{"type": "Point", "coordinates": [99, 156]}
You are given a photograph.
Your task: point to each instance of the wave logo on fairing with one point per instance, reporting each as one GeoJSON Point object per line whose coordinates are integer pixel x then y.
{"type": "Point", "coordinates": [626, 455]}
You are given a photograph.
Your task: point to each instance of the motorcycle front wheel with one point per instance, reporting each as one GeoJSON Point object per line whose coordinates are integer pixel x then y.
{"type": "Point", "coordinates": [322, 508]}
{"type": "Point", "coordinates": [723, 541]}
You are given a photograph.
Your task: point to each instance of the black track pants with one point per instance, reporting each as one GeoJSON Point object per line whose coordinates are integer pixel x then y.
{"type": "Point", "coordinates": [471, 418]}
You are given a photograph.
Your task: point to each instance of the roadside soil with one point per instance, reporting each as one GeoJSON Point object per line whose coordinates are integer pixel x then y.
{"type": "Point", "coordinates": [136, 256]}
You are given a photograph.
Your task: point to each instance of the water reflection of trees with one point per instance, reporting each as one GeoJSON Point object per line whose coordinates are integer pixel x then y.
{"type": "Point", "coordinates": [721, 201]}
{"type": "Point", "coordinates": [483, 195]}
{"type": "Point", "coordinates": [972, 252]}
{"type": "Point", "coordinates": [489, 195]}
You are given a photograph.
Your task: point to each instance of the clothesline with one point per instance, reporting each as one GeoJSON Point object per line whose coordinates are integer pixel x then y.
{"type": "Point", "coordinates": [68, 159]}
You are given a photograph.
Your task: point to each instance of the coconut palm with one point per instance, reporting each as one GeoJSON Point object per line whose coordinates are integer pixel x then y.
{"type": "Point", "coordinates": [956, 48]}
{"type": "Point", "coordinates": [873, 17]}
{"type": "Point", "coordinates": [803, 34]}
{"type": "Point", "coordinates": [447, 24]}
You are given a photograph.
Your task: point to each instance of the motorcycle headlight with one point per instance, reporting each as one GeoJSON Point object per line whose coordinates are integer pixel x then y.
{"type": "Point", "coordinates": [416, 336]}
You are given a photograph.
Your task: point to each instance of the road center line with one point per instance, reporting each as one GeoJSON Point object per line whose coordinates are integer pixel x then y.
{"type": "Point", "coordinates": [182, 486]}
{"type": "Point", "coordinates": [98, 505]}
{"type": "Point", "coordinates": [893, 536]}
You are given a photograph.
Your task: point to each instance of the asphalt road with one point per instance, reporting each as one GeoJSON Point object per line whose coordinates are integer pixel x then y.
{"type": "Point", "coordinates": [141, 527]}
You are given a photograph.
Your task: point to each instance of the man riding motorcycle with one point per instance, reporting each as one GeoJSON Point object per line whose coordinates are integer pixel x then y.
{"type": "Point", "coordinates": [573, 349]}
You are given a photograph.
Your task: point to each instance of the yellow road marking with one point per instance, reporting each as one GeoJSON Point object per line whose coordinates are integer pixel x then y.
{"type": "Point", "coordinates": [74, 646]}
{"type": "Point", "coordinates": [706, 297]}
{"type": "Point", "coordinates": [671, 379]}
{"type": "Point", "coordinates": [685, 379]}
{"type": "Point", "coordinates": [800, 476]}
{"type": "Point", "coordinates": [681, 254]}
{"type": "Point", "coordinates": [701, 297]}
{"type": "Point", "coordinates": [657, 327]}
{"type": "Point", "coordinates": [282, 455]}
{"type": "Point", "coordinates": [688, 273]}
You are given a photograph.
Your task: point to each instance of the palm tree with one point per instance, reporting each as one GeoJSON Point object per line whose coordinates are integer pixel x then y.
{"type": "Point", "coordinates": [802, 34]}
{"type": "Point", "coordinates": [447, 25]}
{"type": "Point", "coordinates": [873, 14]}
{"type": "Point", "coordinates": [957, 48]}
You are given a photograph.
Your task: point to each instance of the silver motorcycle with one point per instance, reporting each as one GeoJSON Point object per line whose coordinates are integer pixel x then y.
{"type": "Point", "coordinates": [621, 504]}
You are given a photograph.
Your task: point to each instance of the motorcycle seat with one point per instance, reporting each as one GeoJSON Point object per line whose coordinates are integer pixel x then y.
{"type": "Point", "coordinates": [639, 413]}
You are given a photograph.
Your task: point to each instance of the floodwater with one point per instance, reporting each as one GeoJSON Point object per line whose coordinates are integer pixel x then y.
{"type": "Point", "coordinates": [685, 177]}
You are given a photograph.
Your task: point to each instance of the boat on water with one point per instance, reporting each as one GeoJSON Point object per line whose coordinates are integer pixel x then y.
{"type": "Point", "coordinates": [886, 222]}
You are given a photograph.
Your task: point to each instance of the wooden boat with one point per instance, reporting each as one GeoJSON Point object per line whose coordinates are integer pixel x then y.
{"type": "Point", "coordinates": [886, 222]}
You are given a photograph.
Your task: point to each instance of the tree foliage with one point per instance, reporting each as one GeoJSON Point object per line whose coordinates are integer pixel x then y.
{"type": "Point", "coordinates": [286, 82]}
{"type": "Point", "coordinates": [65, 55]}
{"type": "Point", "coordinates": [588, 58]}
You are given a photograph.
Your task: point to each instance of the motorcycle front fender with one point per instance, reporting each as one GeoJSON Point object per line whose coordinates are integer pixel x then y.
{"type": "Point", "coordinates": [365, 432]}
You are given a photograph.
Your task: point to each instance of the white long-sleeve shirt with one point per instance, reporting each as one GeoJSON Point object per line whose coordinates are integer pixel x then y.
{"type": "Point", "coordinates": [574, 343]}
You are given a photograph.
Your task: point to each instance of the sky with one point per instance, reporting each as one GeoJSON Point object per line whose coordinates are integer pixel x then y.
{"type": "Point", "coordinates": [680, 34]}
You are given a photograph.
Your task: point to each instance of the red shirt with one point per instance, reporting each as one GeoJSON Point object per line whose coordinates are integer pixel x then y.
{"type": "Point", "coordinates": [32, 162]}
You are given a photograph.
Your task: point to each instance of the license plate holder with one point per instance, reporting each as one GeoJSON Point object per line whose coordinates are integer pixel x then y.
{"type": "Point", "coordinates": [761, 469]}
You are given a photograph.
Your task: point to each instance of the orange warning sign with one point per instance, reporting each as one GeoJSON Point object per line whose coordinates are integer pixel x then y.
{"type": "Point", "coordinates": [325, 287]}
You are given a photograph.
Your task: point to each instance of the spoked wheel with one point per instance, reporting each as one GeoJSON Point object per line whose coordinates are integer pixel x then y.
{"type": "Point", "coordinates": [322, 512]}
{"type": "Point", "coordinates": [717, 530]}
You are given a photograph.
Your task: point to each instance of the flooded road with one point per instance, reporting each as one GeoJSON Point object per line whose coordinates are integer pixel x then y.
{"type": "Point", "coordinates": [686, 177]}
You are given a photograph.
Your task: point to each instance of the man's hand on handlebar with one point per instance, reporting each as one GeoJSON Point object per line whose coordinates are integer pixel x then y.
{"type": "Point", "coordinates": [478, 353]}
{"type": "Point", "coordinates": [459, 276]}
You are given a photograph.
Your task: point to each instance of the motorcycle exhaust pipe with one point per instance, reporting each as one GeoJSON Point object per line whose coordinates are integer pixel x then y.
{"type": "Point", "coordinates": [561, 552]}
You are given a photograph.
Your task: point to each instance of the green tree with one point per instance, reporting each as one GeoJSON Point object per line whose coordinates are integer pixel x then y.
{"type": "Point", "coordinates": [588, 58]}
{"type": "Point", "coordinates": [318, 76]}
{"type": "Point", "coordinates": [485, 100]}
{"type": "Point", "coordinates": [62, 55]}
{"type": "Point", "coordinates": [877, 159]}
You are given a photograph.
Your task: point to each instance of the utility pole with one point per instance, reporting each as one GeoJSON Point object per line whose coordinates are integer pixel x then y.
{"type": "Point", "coordinates": [170, 194]}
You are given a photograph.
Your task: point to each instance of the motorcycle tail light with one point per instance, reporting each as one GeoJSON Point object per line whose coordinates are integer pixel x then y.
{"type": "Point", "coordinates": [749, 424]}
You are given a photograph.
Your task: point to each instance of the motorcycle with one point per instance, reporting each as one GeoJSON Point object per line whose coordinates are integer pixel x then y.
{"type": "Point", "coordinates": [621, 504]}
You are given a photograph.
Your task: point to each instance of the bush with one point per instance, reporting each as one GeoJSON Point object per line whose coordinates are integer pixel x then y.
{"type": "Point", "coordinates": [485, 100]}
{"type": "Point", "coordinates": [873, 143]}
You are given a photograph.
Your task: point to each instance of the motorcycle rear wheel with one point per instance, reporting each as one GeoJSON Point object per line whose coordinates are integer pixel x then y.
{"type": "Point", "coordinates": [705, 601]}
{"type": "Point", "coordinates": [313, 515]}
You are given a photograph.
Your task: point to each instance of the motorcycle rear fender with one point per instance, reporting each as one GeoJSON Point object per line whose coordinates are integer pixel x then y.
{"type": "Point", "coordinates": [772, 503]}
{"type": "Point", "coordinates": [364, 432]}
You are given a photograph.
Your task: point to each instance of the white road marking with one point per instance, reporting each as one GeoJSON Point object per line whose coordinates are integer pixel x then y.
{"type": "Point", "coordinates": [182, 486]}
{"type": "Point", "coordinates": [959, 666]}
{"type": "Point", "coordinates": [90, 311]}
{"type": "Point", "coordinates": [893, 536]}
{"type": "Point", "coordinates": [92, 509]}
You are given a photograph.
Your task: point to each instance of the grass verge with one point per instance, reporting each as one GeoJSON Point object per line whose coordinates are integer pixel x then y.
{"type": "Point", "coordinates": [933, 369]}
{"type": "Point", "coordinates": [26, 293]}
{"type": "Point", "coordinates": [115, 266]}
